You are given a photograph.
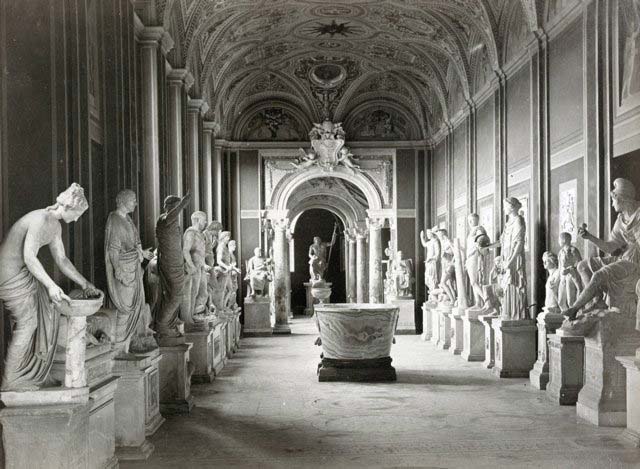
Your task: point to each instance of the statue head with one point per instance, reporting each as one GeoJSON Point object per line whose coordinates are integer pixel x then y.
{"type": "Point", "coordinates": [512, 205]}
{"type": "Point", "coordinates": [399, 255]}
{"type": "Point", "coordinates": [199, 220]}
{"type": "Point", "coordinates": [429, 233]}
{"type": "Point", "coordinates": [623, 194]}
{"type": "Point", "coordinates": [171, 202]}
{"type": "Point", "coordinates": [549, 260]}
{"type": "Point", "coordinates": [232, 245]}
{"type": "Point", "coordinates": [127, 200]}
{"type": "Point", "coordinates": [442, 233]}
{"type": "Point", "coordinates": [256, 252]}
{"type": "Point", "coordinates": [71, 203]}
{"type": "Point", "coordinates": [224, 237]}
{"type": "Point", "coordinates": [473, 219]}
{"type": "Point", "coordinates": [565, 239]}
{"type": "Point", "coordinates": [317, 240]}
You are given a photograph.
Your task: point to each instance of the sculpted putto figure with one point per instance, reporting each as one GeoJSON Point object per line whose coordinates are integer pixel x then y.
{"type": "Point", "coordinates": [570, 281]}
{"type": "Point", "coordinates": [170, 266]}
{"type": "Point", "coordinates": [123, 260]}
{"type": "Point", "coordinates": [195, 295]}
{"type": "Point", "coordinates": [318, 257]}
{"type": "Point", "coordinates": [258, 275]}
{"type": "Point", "coordinates": [617, 273]}
{"type": "Point", "coordinates": [432, 261]}
{"type": "Point", "coordinates": [29, 293]}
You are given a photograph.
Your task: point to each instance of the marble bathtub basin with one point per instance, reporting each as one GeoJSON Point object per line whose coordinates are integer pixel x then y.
{"type": "Point", "coordinates": [353, 331]}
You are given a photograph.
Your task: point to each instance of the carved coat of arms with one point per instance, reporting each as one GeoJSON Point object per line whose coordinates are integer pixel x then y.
{"type": "Point", "coordinates": [327, 149]}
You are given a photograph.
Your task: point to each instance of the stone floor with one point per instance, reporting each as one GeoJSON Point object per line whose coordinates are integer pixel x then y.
{"type": "Point", "coordinates": [267, 409]}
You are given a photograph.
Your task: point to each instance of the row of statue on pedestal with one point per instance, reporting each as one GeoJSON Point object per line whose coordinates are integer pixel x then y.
{"type": "Point", "coordinates": [187, 284]}
{"type": "Point", "coordinates": [573, 285]}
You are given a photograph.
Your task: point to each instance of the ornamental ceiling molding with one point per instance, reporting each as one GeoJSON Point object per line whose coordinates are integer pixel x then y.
{"type": "Point", "coordinates": [380, 104]}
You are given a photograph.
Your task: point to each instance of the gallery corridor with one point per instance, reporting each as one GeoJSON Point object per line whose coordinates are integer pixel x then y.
{"type": "Point", "coordinates": [267, 409]}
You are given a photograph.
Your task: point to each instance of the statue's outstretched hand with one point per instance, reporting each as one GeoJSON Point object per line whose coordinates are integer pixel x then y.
{"type": "Point", "coordinates": [56, 295]}
{"type": "Point", "coordinates": [582, 231]}
{"type": "Point", "coordinates": [90, 291]}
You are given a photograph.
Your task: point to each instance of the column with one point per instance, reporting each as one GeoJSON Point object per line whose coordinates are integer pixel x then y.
{"type": "Point", "coordinates": [151, 39]}
{"type": "Point", "coordinates": [361, 265]}
{"type": "Point", "coordinates": [500, 159]}
{"type": "Point", "coordinates": [281, 272]}
{"type": "Point", "coordinates": [195, 109]}
{"type": "Point", "coordinates": [375, 259]}
{"type": "Point", "coordinates": [179, 80]}
{"type": "Point", "coordinates": [209, 130]}
{"type": "Point", "coordinates": [287, 277]}
{"type": "Point", "coordinates": [352, 290]}
{"type": "Point", "coordinates": [217, 180]}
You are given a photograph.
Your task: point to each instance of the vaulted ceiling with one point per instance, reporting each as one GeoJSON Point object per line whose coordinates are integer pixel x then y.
{"type": "Point", "coordinates": [389, 69]}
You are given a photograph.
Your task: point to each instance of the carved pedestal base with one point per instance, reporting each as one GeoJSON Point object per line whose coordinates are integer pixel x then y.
{"type": "Point", "coordinates": [444, 326]}
{"type": "Point", "coordinates": [175, 379]}
{"type": "Point", "coordinates": [489, 341]}
{"type": "Point", "coordinates": [566, 367]}
{"type": "Point", "coordinates": [435, 322]}
{"type": "Point", "coordinates": [257, 320]}
{"type": "Point", "coordinates": [46, 428]}
{"type": "Point", "coordinates": [427, 320]}
{"type": "Point", "coordinates": [632, 366]}
{"type": "Point", "coordinates": [457, 331]}
{"type": "Point", "coordinates": [201, 355]}
{"type": "Point", "coordinates": [371, 370]}
{"type": "Point", "coordinates": [137, 409]}
{"type": "Point", "coordinates": [237, 332]}
{"type": "Point", "coordinates": [515, 347]}
{"type": "Point", "coordinates": [548, 322]}
{"type": "Point", "coordinates": [603, 398]}
{"type": "Point", "coordinates": [473, 336]}
{"type": "Point", "coordinates": [229, 338]}
{"type": "Point", "coordinates": [218, 346]}
{"type": "Point", "coordinates": [406, 320]}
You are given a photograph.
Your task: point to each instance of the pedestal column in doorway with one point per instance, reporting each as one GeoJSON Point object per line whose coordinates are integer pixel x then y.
{"type": "Point", "coordinates": [352, 289]}
{"type": "Point", "coordinates": [361, 265]}
{"type": "Point", "coordinates": [281, 274]}
{"type": "Point", "coordinates": [375, 259]}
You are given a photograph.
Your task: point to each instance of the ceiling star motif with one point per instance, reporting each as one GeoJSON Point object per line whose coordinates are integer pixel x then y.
{"type": "Point", "coordinates": [332, 29]}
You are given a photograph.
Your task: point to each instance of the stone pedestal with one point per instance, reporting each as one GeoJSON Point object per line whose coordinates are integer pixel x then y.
{"type": "Point", "coordinates": [308, 310]}
{"type": "Point", "coordinates": [435, 322]}
{"type": "Point", "coordinates": [257, 317]}
{"type": "Point", "coordinates": [444, 326]}
{"type": "Point", "coordinates": [566, 367]}
{"type": "Point", "coordinates": [48, 428]}
{"type": "Point", "coordinates": [201, 355]}
{"type": "Point", "coordinates": [427, 322]}
{"type": "Point", "coordinates": [457, 331]}
{"type": "Point", "coordinates": [473, 336]}
{"type": "Point", "coordinates": [515, 347]}
{"type": "Point", "coordinates": [229, 339]}
{"type": "Point", "coordinates": [548, 322]}
{"type": "Point", "coordinates": [489, 341]}
{"type": "Point", "coordinates": [175, 379]}
{"type": "Point", "coordinates": [632, 367]}
{"type": "Point", "coordinates": [406, 320]}
{"type": "Point", "coordinates": [219, 346]}
{"type": "Point", "coordinates": [603, 398]}
{"type": "Point", "coordinates": [137, 409]}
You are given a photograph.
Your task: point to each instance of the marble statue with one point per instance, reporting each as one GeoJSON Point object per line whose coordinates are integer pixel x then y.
{"type": "Point", "coordinates": [474, 263]}
{"type": "Point", "coordinates": [402, 274]}
{"type": "Point", "coordinates": [432, 260]}
{"type": "Point", "coordinates": [30, 294]}
{"type": "Point", "coordinates": [346, 158]}
{"type": "Point", "coordinates": [570, 281]}
{"type": "Point", "coordinates": [617, 273]}
{"type": "Point", "coordinates": [318, 257]}
{"type": "Point", "coordinates": [170, 266]}
{"type": "Point", "coordinates": [492, 292]}
{"type": "Point", "coordinates": [211, 240]}
{"type": "Point", "coordinates": [123, 261]}
{"type": "Point", "coordinates": [195, 295]}
{"type": "Point", "coordinates": [259, 275]}
{"type": "Point", "coordinates": [225, 270]}
{"type": "Point", "coordinates": [551, 299]}
{"type": "Point", "coordinates": [448, 270]}
{"type": "Point", "coordinates": [307, 158]}
{"type": "Point", "coordinates": [512, 273]}
{"type": "Point", "coordinates": [231, 302]}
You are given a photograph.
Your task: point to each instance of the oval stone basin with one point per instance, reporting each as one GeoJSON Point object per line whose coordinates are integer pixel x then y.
{"type": "Point", "coordinates": [356, 331]}
{"type": "Point", "coordinates": [80, 307]}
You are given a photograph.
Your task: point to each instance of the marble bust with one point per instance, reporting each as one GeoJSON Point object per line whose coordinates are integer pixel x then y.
{"type": "Point", "coordinates": [258, 275]}
{"type": "Point", "coordinates": [30, 294]}
{"type": "Point", "coordinates": [123, 261]}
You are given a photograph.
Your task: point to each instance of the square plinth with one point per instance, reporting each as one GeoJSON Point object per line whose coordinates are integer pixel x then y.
{"type": "Point", "coordinates": [406, 319]}
{"type": "Point", "coordinates": [632, 366]}
{"type": "Point", "coordinates": [373, 370]}
{"type": "Point", "coordinates": [489, 341]}
{"type": "Point", "coordinates": [566, 367]}
{"type": "Point", "coordinates": [427, 320]}
{"type": "Point", "coordinates": [175, 379]}
{"type": "Point", "coordinates": [473, 336]}
{"type": "Point", "coordinates": [257, 317]}
{"type": "Point", "coordinates": [547, 323]}
{"type": "Point", "coordinates": [201, 355]}
{"type": "Point", "coordinates": [515, 347]}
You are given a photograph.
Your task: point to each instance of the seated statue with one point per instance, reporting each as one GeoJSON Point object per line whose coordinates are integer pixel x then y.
{"type": "Point", "coordinates": [30, 294]}
{"type": "Point", "coordinates": [258, 275]}
{"type": "Point", "coordinates": [402, 275]}
{"type": "Point", "coordinates": [551, 299]}
{"type": "Point", "coordinates": [318, 257]}
{"type": "Point", "coordinates": [123, 261]}
{"type": "Point", "coordinates": [618, 273]}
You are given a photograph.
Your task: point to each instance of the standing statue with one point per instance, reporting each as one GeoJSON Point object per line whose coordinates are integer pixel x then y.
{"type": "Point", "coordinates": [617, 273]}
{"type": "Point", "coordinates": [258, 275]}
{"type": "Point", "coordinates": [223, 270]}
{"type": "Point", "coordinates": [551, 299]}
{"type": "Point", "coordinates": [231, 302]}
{"type": "Point", "coordinates": [432, 261]}
{"type": "Point", "coordinates": [570, 281]}
{"type": "Point", "coordinates": [195, 294]}
{"type": "Point", "coordinates": [474, 263]}
{"type": "Point", "coordinates": [318, 257]}
{"type": "Point", "coordinates": [448, 275]}
{"type": "Point", "coordinates": [211, 240]}
{"type": "Point", "coordinates": [402, 276]}
{"type": "Point", "coordinates": [123, 261]}
{"type": "Point", "coordinates": [170, 266]}
{"type": "Point", "coordinates": [30, 294]}
{"type": "Point", "coordinates": [513, 276]}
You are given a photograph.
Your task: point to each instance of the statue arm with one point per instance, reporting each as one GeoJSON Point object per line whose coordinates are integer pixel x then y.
{"type": "Point", "coordinates": [616, 241]}
{"type": "Point", "coordinates": [180, 207]}
{"type": "Point", "coordinates": [66, 267]}
{"type": "Point", "coordinates": [423, 239]}
{"type": "Point", "coordinates": [186, 251]}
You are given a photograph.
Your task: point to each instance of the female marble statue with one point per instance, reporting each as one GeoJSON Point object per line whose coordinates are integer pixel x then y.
{"type": "Point", "coordinates": [170, 266]}
{"type": "Point", "coordinates": [513, 276]}
{"type": "Point", "coordinates": [432, 261]}
{"type": "Point", "coordinates": [30, 294]}
{"type": "Point", "coordinates": [195, 294]}
{"type": "Point", "coordinates": [570, 281]}
{"type": "Point", "coordinates": [222, 271]}
{"type": "Point", "coordinates": [551, 299]}
{"type": "Point", "coordinates": [448, 275]}
{"type": "Point", "coordinates": [474, 263]}
{"type": "Point", "coordinates": [403, 276]}
{"type": "Point", "coordinates": [258, 275]}
{"type": "Point", "coordinates": [232, 291]}
{"type": "Point", "coordinates": [123, 261]}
